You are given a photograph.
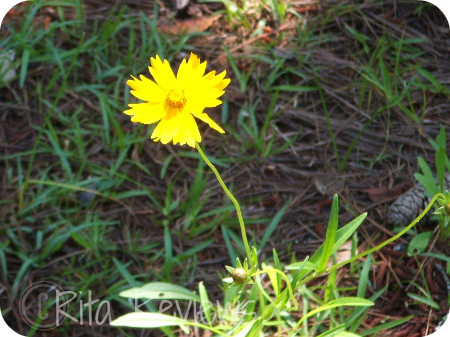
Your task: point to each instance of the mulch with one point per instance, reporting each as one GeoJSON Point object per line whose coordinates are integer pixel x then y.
{"type": "Point", "coordinates": [306, 174]}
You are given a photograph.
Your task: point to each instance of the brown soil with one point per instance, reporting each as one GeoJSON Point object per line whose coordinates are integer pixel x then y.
{"type": "Point", "coordinates": [305, 174]}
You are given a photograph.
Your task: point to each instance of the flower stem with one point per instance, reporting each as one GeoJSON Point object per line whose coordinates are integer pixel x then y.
{"type": "Point", "coordinates": [232, 198]}
{"type": "Point", "coordinates": [381, 245]}
{"type": "Point", "coordinates": [288, 283]}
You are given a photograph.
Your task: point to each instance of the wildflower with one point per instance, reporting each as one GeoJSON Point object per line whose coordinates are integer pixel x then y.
{"type": "Point", "coordinates": [173, 101]}
{"type": "Point", "coordinates": [241, 275]}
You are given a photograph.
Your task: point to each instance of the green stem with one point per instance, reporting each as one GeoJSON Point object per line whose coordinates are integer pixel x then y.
{"type": "Point", "coordinates": [381, 245]}
{"type": "Point", "coordinates": [232, 198]}
{"type": "Point", "coordinates": [288, 283]}
{"type": "Point", "coordinates": [206, 327]}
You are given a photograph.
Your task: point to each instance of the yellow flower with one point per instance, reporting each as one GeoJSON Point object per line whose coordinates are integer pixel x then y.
{"type": "Point", "coordinates": [173, 101]}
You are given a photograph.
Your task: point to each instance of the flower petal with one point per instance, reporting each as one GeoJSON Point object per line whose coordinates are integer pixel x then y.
{"type": "Point", "coordinates": [146, 89]}
{"type": "Point", "coordinates": [190, 72]}
{"type": "Point", "coordinates": [205, 118]}
{"type": "Point", "coordinates": [146, 113]}
{"type": "Point", "coordinates": [169, 125]}
{"type": "Point", "coordinates": [162, 73]}
{"type": "Point", "coordinates": [189, 134]}
{"type": "Point", "coordinates": [208, 90]}
{"type": "Point", "coordinates": [183, 74]}
{"type": "Point", "coordinates": [178, 125]}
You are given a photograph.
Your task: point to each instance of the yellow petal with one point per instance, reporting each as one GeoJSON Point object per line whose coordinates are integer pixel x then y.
{"type": "Point", "coordinates": [197, 68]}
{"type": "Point", "coordinates": [190, 72]}
{"type": "Point", "coordinates": [169, 125]}
{"type": "Point", "coordinates": [208, 90]}
{"type": "Point", "coordinates": [162, 73]}
{"type": "Point", "coordinates": [205, 118]}
{"type": "Point", "coordinates": [183, 74]}
{"type": "Point", "coordinates": [222, 84]}
{"type": "Point", "coordinates": [146, 113]}
{"type": "Point", "coordinates": [189, 133]}
{"type": "Point", "coordinates": [146, 89]}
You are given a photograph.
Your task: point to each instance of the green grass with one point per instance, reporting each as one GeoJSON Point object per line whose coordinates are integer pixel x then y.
{"type": "Point", "coordinates": [86, 151]}
{"type": "Point", "coordinates": [91, 204]}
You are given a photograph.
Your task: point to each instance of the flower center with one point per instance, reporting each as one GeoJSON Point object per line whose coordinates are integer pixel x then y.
{"type": "Point", "coordinates": [176, 98]}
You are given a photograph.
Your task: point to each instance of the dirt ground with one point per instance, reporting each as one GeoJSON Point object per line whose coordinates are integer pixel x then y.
{"type": "Point", "coordinates": [384, 143]}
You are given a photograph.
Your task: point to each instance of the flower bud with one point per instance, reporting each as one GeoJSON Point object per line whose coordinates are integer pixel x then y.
{"type": "Point", "coordinates": [239, 275]}
{"type": "Point", "coordinates": [447, 209]}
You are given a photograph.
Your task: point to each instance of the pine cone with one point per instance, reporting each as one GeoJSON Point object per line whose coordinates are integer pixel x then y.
{"type": "Point", "coordinates": [409, 205]}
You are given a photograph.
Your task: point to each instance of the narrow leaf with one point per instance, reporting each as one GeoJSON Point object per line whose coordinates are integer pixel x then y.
{"type": "Point", "coordinates": [147, 320]}
{"type": "Point", "coordinates": [160, 291]}
{"type": "Point", "coordinates": [331, 235]}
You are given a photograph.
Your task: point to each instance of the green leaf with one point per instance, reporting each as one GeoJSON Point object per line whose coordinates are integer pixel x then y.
{"type": "Point", "coordinates": [277, 265]}
{"type": "Point", "coordinates": [342, 235]}
{"type": "Point", "coordinates": [303, 265]}
{"type": "Point", "coordinates": [328, 246]}
{"type": "Point", "coordinates": [130, 194]}
{"type": "Point", "coordinates": [440, 158]}
{"type": "Point", "coordinates": [438, 256]}
{"type": "Point", "coordinates": [160, 291]}
{"type": "Point", "coordinates": [195, 249]}
{"type": "Point", "coordinates": [294, 88]}
{"type": "Point", "coordinates": [272, 226]}
{"type": "Point", "coordinates": [204, 301]}
{"type": "Point", "coordinates": [254, 256]}
{"type": "Point", "coordinates": [347, 334]}
{"type": "Point", "coordinates": [430, 78]}
{"type": "Point", "coordinates": [333, 332]}
{"type": "Point", "coordinates": [24, 67]}
{"type": "Point", "coordinates": [427, 179]}
{"type": "Point", "coordinates": [429, 184]}
{"type": "Point", "coordinates": [147, 320]}
{"type": "Point", "coordinates": [168, 257]}
{"type": "Point", "coordinates": [358, 315]}
{"type": "Point", "coordinates": [273, 276]}
{"type": "Point", "coordinates": [122, 268]}
{"type": "Point", "coordinates": [425, 168]}
{"type": "Point", "coordinates": [247, 328]}
{"type": "Point", "coordinates": [364, 276]}
{"type": "Point", "coordinates": [250, 313]}
{"type": "Point", "coordinates": [419, 243]}
{"type": "Point", "coordinates": [424, 300]}
{"type": "Point", "coordinates": [227, 239]}
{"type": "Point", "coordinates": [340, 302]}
{"type": "Point", "coordinates": [385, 326]}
